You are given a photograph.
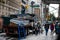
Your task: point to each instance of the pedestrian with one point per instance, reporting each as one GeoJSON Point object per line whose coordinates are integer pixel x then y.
{"type": "Point", "coordinates": [46, 27]}
{"type": "Point", "coordinates": [36, 28]}
{"type": "Point", "coordinates": [56, 28]}
{"type": "Point", "coordinates": [23, 9]}
{"type": "Point", "coordinates": [39, 27]}
{"type": "Point", "coordinates": [52, 28]}
{"type": "Point", "coordinates": [58, 34]}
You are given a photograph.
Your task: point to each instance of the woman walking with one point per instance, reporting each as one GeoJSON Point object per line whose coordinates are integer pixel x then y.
{"type": "Point", "coordinates": [52, 28]}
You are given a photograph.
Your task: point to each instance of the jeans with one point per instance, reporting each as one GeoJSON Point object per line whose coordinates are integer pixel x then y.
{"type": "Point", "coordinates": [46, 31]}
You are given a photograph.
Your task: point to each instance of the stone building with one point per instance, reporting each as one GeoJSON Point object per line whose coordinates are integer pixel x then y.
{"type": "Point", "coordinates": [8, 7]}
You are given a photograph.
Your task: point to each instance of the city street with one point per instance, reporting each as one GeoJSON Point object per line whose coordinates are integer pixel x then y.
{"type": "Point", "coordinates": [42, 37]}
{"type": "Point", "coordinates": [32, 37]}
{"type": "Point", "coordinates": [29, 19]}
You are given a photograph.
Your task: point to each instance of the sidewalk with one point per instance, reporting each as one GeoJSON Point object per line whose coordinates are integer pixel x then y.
{"type": "Point", "coordinates": [41, 37]}
{"type": "Point", "coordinates": [32, 37]}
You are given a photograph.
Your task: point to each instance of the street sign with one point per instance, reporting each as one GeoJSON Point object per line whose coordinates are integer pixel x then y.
{"type": "Point", "coordinates": [35, 6]}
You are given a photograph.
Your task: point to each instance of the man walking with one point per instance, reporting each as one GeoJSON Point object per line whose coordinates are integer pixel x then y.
{"type": "Point", "coordinates": [46, 27]}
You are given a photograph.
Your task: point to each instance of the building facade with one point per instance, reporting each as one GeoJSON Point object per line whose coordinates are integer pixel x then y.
{"type": "Point", "coordinates": [8, 7]}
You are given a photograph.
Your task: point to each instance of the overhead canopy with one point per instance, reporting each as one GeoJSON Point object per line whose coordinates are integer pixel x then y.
{"type": "Point", "coordinates": [52, 1]}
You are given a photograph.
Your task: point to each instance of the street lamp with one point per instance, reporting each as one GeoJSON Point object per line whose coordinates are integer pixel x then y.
{"type": "Point", "coordinates": [32, 3]}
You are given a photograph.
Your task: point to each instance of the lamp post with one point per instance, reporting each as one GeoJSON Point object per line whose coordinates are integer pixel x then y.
{"type": "Point", "coordinates": [32, 3]}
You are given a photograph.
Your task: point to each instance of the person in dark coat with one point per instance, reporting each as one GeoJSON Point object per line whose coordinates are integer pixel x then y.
{"type": "Point", "coordinates": [39, 27]}
{"type": "Point", "coordinates": [56, 28]}
{"type": "Point", "coordinates": [23, 9]}
{"type": "Point", "coordinates": [46, 27]}
{"type": "Point", "coordinates": [58, 34]}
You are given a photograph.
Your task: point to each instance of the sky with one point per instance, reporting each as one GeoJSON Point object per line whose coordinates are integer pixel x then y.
{"type": "Point", "coordinates": [52, 8]}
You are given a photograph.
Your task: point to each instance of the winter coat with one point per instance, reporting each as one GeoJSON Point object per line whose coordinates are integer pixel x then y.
{"type": "Point", "coordinates": [47, 26]}
{"type": "Point", "coordinates": [57, 29]}
{"type": "Point", "coordinates": [52, 26]}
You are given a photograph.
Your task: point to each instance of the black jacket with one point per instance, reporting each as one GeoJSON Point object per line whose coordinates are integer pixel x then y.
{"type": "Point", "coordinates": [46, 26]}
